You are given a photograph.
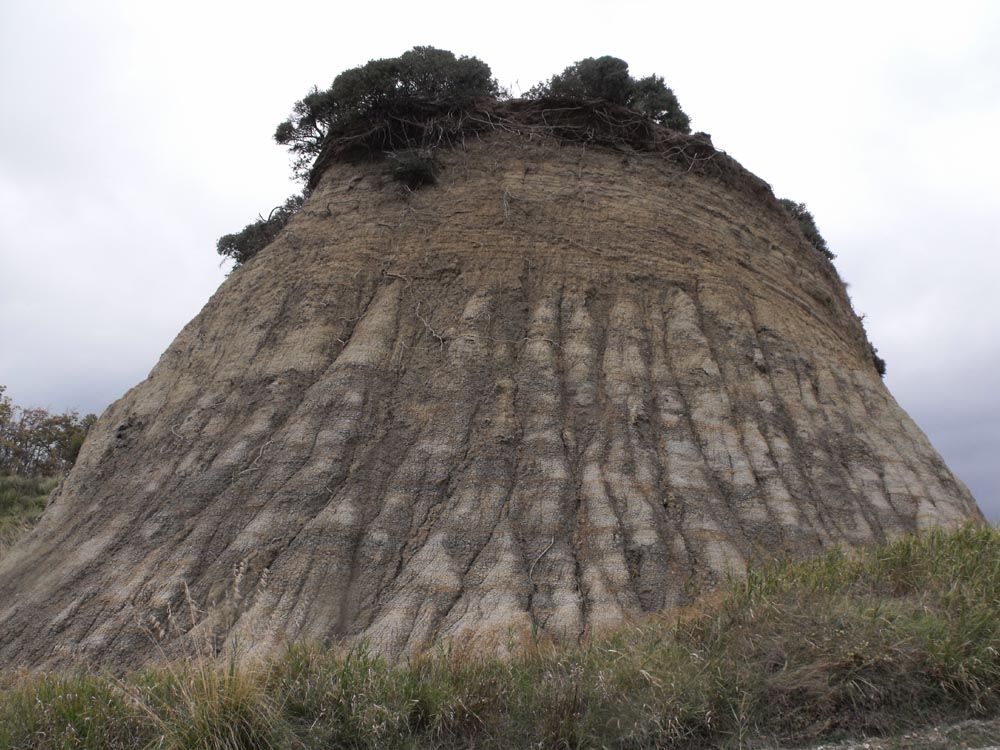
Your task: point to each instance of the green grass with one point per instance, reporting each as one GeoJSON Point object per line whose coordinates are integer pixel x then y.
{"type": "Point", "coordinates": [22, 500]}
{"type": "Point", "coordinates": [891, 639]}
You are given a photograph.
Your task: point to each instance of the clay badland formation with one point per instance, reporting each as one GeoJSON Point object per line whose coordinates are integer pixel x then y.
{"type": "Point", "coordinates": [560, 388]}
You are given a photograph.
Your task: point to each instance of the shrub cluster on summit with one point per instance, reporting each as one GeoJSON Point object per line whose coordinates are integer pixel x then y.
{"type": "Point", "coordinates": [608, 78]}
{"type": "Point", "coordinates": [422, 82]}
{"type": "Point", "coordinates": [402, 107]}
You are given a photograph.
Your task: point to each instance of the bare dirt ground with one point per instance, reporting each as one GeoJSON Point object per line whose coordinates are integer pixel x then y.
{"type": "Point", "coordinates": [972, 735]}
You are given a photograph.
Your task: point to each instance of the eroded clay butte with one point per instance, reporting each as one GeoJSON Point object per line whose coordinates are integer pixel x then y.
{"type": "Point", "coordinates": [559, 389]}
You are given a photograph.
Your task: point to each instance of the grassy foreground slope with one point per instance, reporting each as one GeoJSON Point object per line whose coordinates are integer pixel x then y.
{"type": "Point", "coordinates": [900, 636]}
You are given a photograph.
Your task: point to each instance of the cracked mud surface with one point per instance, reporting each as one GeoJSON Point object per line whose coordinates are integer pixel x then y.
{"type": "Point", "coordinates": [559, 389]}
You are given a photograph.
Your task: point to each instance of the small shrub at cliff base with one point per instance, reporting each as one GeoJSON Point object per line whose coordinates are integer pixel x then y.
{"type": "Point", "coordinates": [22, 500]}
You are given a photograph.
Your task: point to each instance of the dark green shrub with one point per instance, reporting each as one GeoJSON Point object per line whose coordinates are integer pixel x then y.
{"type": "Point", "coordinates": [417, 85]}
{"type": "Point", "coordinates": [807, 222]}
{"type": "Point", "coordinates": [877, 360]}
{"type": "Point", "coordinates": [306, 128]}
{"type": "Point", "coordinates": [655, 99]}
{"type": "Point", "coordinates": [242, 246]}
{"type": "Point", "coordinates": [607, 78]}
{"type": "Point", "coordinates": [592, 78]}
{"type": "Point", "coordinates": [414, 167]}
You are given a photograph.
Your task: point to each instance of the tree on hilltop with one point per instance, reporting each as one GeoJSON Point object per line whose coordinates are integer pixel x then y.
{"type": "Point", "coordinates": [608, 78]}
{"type": "Point", "coordinates": [422, 82]}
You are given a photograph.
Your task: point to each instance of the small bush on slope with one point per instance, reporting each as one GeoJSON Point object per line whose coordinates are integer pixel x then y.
{"type": "Point", "coordinates": [800, 212]}
{"type": "Point", "coordinates": [896, 637]}
{"type": "Point", "coordinates": [243, 245]}
{"type": "Point", "coordinates": [877, 360]}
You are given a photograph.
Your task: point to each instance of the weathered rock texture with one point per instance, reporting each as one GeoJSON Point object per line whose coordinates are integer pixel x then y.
{"type": "Point", "coordinates": [559, 389]}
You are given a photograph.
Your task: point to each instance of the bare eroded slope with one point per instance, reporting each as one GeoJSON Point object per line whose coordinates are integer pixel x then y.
{"type": "Point", "coordinates": [559, 389]}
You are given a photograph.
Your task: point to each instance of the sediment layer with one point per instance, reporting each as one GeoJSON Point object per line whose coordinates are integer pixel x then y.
{"type": "Point", "coordinates": [558, 390]}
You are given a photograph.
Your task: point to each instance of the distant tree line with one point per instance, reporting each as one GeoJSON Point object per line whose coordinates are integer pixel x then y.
{"type": "Point", "coordinates": [36, 443]}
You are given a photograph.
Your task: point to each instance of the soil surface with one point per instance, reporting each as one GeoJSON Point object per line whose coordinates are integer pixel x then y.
{"type": "Point", "coordinates": [974, 735]}
{"type": "Point", "coordinates": [559, 389]}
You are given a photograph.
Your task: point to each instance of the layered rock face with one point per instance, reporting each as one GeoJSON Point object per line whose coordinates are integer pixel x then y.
{"type": "Point", "coordinates": [559, 389]}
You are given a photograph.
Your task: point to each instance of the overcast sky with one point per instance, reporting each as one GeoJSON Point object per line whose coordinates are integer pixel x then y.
{"type": "Point", "coordinates": [134, 134]}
